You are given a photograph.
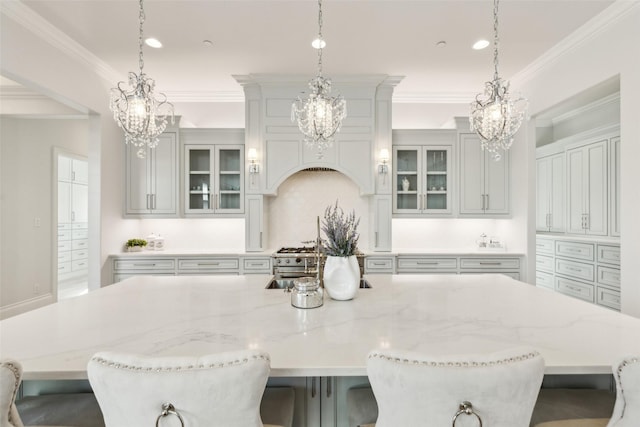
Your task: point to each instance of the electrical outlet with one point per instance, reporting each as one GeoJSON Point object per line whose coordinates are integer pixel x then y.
{"type": "Point", "coordinates": [36, 288]}
{"type": "Point", "coordinates": [37, 222]}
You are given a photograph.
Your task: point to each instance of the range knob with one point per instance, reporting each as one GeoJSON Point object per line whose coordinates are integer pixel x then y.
{"type": "Point", "coordinates": [288, 260]}
{"type": "Point", "coordinates": [298, 260]}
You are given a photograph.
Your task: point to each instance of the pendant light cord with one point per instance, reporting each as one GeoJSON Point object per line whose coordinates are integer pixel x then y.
{"type": "Point", "coordinates": [141, 18]}
{"type": "Point", "coordinates": [320, 37]}
{"type": "Point", "coordinates": [495, 39]}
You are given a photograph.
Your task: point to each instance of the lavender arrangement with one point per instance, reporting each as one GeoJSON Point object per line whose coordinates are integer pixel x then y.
{"type": "Point", "coordinates": [341, 231]}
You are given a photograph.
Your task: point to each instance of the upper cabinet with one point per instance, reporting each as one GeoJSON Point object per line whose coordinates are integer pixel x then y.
{"type": "Point", "coordinates": [214, 179]}
{"type": "Point", "coordinates": [550, 195]}
{"type": "Point", "coordinates": [152, 182]}
{"type": "Point", "coordinates": [214, 169]}
{"type": "Point", "coordinates": [484, 182]}
{"type": "Point", "coordinates": [588, 177]}
{"type": "Point", "coordinates": [422, 181]}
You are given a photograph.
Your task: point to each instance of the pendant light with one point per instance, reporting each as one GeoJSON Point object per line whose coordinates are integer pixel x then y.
{"type": "Point", "coordinates": [495, 117]}
{"type": "Point", "coordinates": [141, 116]}
{"type": "Point", "coordinates": [320, 116]}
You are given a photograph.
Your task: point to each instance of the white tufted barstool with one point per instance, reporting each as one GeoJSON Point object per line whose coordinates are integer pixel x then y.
{"type": "Point", "coordinates": [10, 378]}
{"type": "Point", "coordinates": [220, 389]}
{"type": "Point", "coordinates": [626, 410]}
{"type": "Point", "coordinates": [416, 390]}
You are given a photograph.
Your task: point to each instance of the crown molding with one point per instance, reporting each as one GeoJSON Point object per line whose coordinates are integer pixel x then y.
{"type": "Point", "coordinates": [20, 93]}
{"type": "Point", "coordinates": [615, 98]}
{"type": "Point", "coordinates": [585, 33]}
{"type": "Point", "coordinates": [25, 16]}
{"type": "Point", "coordinates": [434, 98]}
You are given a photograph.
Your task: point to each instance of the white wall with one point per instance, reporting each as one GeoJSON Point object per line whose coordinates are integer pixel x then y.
{"type": "Point", "coordinates": [26, 192]}
{"type": "Point", "coordinates": [607, 53]}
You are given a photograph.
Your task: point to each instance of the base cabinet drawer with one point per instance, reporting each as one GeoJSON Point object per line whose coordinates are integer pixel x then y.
{"type": "Point", "coordinates": [64, 257]}
{"type": "Point", "coordinates": [576, 250]}
{"type": "Point", "coordinates": [417, 264]}
{"type": "Point", "coordinates": [257, 265]}
{"type": "Point", "coordinates": [490, 263]}
{"type": "Point", "coordinates": [544, 280]}
{"type": "Point", "coordinates": [575, 289]}
{"type": "Point", "coordinates": [609, 254]}
{"type": "Point", "coordinates": [79, 265]}
{"type": "Point", "coordinates": [544, 246]}
{"type": "Point", "coordinates": [544, 263]}
{"type": "Point", "coordinates": [608, 298]}
{"type": "Point", "coordinates": [209, 264]}
{"type": "Point", "coordinates": [64, 267]}
{"type": "Point", "coordinates": [378, 265]}
{"type": "Point", "coordinates": [574, 269]}
{"type": "Point", "coordinates": [145, 264]}
{"type": "Point", "coordinates": [609, 276]}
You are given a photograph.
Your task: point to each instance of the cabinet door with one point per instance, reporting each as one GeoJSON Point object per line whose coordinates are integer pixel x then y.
{"type": "Point", "coordinates": [496, 184]}
{"type": "Point", "coordinates": [471, 175]}
{"type": "Point", "coordinates": [407, 183]}
{"type": "Point", "coordinates": [163, 166]}
{"type": "Point", "coordinates": [137, 182]}
{"type": "Point", "coordinates": [199, 191]}
{"type": "Point", "coordinates": [543, 198]}
{"type": "Point", "coordinates": [576, 186]}
{"type": "Point", "coordinates": [80, 171]}
{"type": "Point", "coordinates": [64, 202]}
{"type": "Point", "coordinates": [229, 183]}
{"type": "Point", "coordinates": [382, 223]}
{"type": "Point", "coordinates": [557, 194]}
{"type": "Point", "coordinates": [64, 168]}
{"type": "Point", "coordinates": [437, 178]}
{"type": "Point", "coordinates": [597, 179]}
{"type": "Point", "coordinates": [79, 203]}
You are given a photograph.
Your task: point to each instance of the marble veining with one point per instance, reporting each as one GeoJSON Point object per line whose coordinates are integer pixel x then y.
{"type": "Point", "coordinates": [198, 315]}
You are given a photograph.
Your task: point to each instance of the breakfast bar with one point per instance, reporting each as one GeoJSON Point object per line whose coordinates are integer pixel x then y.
{"type": "Point", "coordinates": [196, 315]}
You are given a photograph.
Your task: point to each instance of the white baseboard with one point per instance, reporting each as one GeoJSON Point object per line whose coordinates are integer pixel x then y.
{"type": "Point", "coordinates": [27, 305]}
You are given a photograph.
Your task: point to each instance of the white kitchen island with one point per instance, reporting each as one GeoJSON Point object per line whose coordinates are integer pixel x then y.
{"type": "Point", "coordinates": [195, 315]}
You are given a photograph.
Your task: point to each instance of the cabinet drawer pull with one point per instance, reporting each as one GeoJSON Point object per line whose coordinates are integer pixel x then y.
{"type": "Point", "coordinates": [144, 265]}
{"type": "Point", "coordinates": [573, 288]}
{"type": "Point", "coordinates": [81, 264]}
{"type": "Point", "coordinates": [490, 263]}
{"type": "Point", "coordinates": [380, 264]}
{"type": "Point", "coordinates": [256, 264]}
{"type": "Point", "coordinates": [427, 263]}
{"type": "Point", "coordinates": [205, 264]}
{"type": "Point", "coordinates": [577, 270]}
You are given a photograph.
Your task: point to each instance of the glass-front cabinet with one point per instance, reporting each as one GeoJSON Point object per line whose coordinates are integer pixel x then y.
{"type": "Point", "coordinates": [422, 180]}
{"type": "Point", "coordinates": [214, 179]}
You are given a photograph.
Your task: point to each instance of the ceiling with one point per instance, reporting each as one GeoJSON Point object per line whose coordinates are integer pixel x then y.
{"type": "Point", "coordinates": [394, 37]}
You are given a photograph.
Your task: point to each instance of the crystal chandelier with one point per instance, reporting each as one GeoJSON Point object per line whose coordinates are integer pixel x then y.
{"type": "Point", "coordinates": [495, 117]}
{"type": "Point", "coordinates": [320, 116]}
{"type": "Point", "coordinates": [136, 109]}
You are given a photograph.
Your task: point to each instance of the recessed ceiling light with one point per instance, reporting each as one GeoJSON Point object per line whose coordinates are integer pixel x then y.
{"type": "Point", "coordinates": [441, 44]}
{"type": "Point", "coordinates": [207, 42]}
{"type": "Point", "coordinates": [155, 43]}
{"type": "Point", "coordinates": [319, 43]}
{"type": "Point", "coordinates": [480, 44]}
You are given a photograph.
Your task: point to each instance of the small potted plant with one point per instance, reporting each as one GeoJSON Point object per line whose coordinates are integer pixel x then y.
{"type": "Point", "coordinates": [136, 245]}
{"type": "Point", "coordinates": [341, 270]}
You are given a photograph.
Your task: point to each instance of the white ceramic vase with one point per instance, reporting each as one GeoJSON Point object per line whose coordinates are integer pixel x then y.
{"type": "Point", "coordinates": [341, 277]}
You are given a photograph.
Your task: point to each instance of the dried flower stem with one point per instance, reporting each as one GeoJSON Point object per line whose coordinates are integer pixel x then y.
{"type": "Point", "coordinates": [341, 232]}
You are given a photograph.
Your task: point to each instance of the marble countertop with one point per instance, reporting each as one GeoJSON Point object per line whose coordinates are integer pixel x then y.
{"type": "Point", "coordinates": [196, 315]}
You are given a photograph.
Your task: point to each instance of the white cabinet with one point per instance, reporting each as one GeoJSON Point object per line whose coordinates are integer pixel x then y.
{"type": "Point", "coordinates": [484, 182]}
{"type": "Point", "coordinates": [588, 178]}
{"type": "Point", "coordinates": [73, 216]}
{"type": "Point", "coordinates": [152, 182]}
{"type": "Point", "coordinates": [550, 194]}
{"type": "Point", "coordinates": [490, 263]}
{"type": "Point", "coordinates": [382, 223]}
{"type": "Point", "coordinates": [422, 182]}
{"type": "Point", "coordinates": [214, 179]}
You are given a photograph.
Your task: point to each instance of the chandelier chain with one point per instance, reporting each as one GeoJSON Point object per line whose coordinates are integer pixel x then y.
{"type": "Point", "coordinates": [320, 37]}
{"type": "Point", "coordinates": [141, 18]}
{"type": "Point", "coordinates": [495, 39]}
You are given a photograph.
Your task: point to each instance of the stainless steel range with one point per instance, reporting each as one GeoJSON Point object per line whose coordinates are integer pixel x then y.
{"type": "Point", "coordinates": [302, 262]}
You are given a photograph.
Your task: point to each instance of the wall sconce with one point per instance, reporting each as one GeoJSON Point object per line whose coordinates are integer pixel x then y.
{"type": "Point", "coordinates": [254, 167]}
{"type": "Point", "coordinates": [383, 167]}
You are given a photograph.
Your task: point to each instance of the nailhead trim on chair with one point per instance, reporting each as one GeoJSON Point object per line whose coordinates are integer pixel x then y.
{"type": "Point", "coordinates": [472, 364]}
{"type": "Point", "coordinates": [16, 374]}
{"type": "Point", "coordinates": [115, 365]}
{"type": "Point", "coordinates": [621, 367]}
